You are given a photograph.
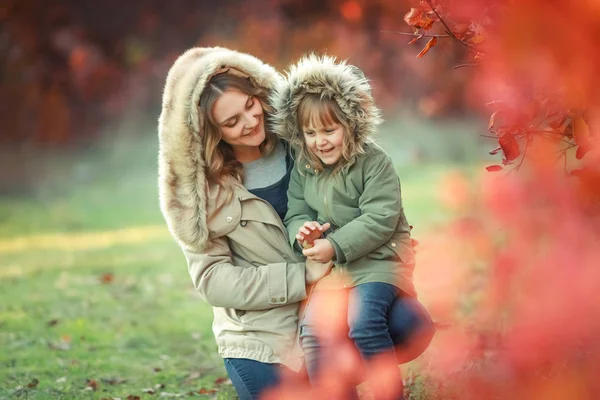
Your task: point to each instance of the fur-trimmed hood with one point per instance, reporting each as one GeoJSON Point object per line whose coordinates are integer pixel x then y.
{"type": "Point", "coordinates": [344, 83]}
{"type": "Point", "coordinates": [182, 183]}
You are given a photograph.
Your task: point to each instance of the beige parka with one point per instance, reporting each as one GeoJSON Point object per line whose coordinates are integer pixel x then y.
{"type": "Point", "coordinates": [236, 246]}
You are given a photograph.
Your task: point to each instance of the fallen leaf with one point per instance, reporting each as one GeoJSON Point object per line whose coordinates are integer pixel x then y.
{"type": "Point", "coordinates": [62, 379]}
{"type": "Point", "coordinates": [221, 380]}
{"type": "Point", "coordinates": [156, 369]}
{"type": "Point", "coordinates": [149, 391]}
{"type": "Point", "coordinates": [91, 383]}
{"type": "Point", "coordinates": [34, 382]}
{"type": "Point", "coordinates": [52, 322]}
{"type": "Point", "coordinates": [159, 386]}
{"type": "Point", "coordinates": [107, 278]}
{"type": "Point", "coordinates": [113, 381]}
{"type": "Point", "coordinates": [132, 397]}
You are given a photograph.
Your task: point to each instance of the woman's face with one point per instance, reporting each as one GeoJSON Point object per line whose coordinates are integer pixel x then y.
{"type": "Point", "coordinates": [240, 119]}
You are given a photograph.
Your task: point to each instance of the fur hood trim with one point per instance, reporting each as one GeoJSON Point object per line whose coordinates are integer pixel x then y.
{"type": "Point", "coordinates": [182, 179]}
{"type": "Point", "coordinates": [344, 83]}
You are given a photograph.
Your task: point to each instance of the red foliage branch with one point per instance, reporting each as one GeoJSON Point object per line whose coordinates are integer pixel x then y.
{"type": "Point", "coordinates": [530, 111]}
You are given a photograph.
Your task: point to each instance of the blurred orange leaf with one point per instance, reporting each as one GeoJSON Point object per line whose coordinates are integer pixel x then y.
{"type": "Point", "coordinates": [107, 278]}
{"type": "Point", "coordinates": [510, 147]}
{"type": "Point", "coordinates": [33, 384]}
{"type": "Point", "coordinates": [491, 122]}
{"type": "Point", "coordinates": [92, 383]}
{"type": "Point", "coordinates": [494, 168]}
{"type": "Point", "coordinates": [418, 19]}
{"type": "Point", "coordinates": [581, 135]}
{"type": "Point", "coordinates": [428, 46]}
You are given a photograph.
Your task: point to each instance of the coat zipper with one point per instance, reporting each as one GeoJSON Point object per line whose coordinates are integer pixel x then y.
{"type": "Point", "coordinates": [341, 268]}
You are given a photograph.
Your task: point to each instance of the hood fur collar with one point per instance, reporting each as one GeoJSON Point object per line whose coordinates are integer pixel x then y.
{"type": "Point", "coordinates": [182, 180]}
{"type": "Point", "coordinates": [344, 83]}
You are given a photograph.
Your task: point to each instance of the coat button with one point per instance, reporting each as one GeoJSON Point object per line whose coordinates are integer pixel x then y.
{"type": "Point", "coordinates": [282, 299]}
{"type": "Point", "coordinates": [244, 223]}
{"type": "Point", "coordinates": [229, 219]}
{"type": "Point", "coordinates": [393, 244]}
{"type": "Point", "coordinates": [273, 299]}
{"type": "Point", "coordinates": [308, 166]}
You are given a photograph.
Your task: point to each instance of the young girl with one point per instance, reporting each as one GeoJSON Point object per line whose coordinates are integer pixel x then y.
{"type": "Point", "coordinates": [342, 178]}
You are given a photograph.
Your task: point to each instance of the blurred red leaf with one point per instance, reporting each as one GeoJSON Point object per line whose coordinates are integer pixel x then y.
{"type": "Point", "coordinates": [494, 168]}
{"type": "Point", "coordinates": [107, 278]}
{"type": "Point", "coordinates": [33, 384]}
{"type": "Point", "coordinates": [415, 39]}
{"type": "Point", "coordinates": [92, 383]}
{"type": "Point", "coordinates": [510, 147]}
{"type": "Point", "coordinates": [417, 18]}
{"type": "Point", "coordinates": [221, 380]}
{"type": "Point", "coordinates": [428, 46]}
{"type": "Point", "coordinates": [581, 135]}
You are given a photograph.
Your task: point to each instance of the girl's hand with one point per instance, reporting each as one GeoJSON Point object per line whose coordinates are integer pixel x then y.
{"type": "Point", "coordinates": [309, 232]}
{"type": "Point", "coordinates": [322, 251]}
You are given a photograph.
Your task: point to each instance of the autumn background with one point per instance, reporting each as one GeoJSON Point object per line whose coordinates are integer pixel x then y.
{"type": "Point", "coordinates": [95, 299]}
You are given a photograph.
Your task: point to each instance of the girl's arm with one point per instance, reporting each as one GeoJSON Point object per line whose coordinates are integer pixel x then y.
{"type": "Point", "coordinates": [223, 284]}
{"type": "Point", "coordinates": [381, 207]}
{"type": "Point", "coordinates": [298, 211]}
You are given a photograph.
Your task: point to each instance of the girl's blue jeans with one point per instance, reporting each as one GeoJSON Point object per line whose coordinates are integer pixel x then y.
{"type": "Point", "coordinates": [407, 324]}
{"type": "Point", "coordinates": [379, 321]}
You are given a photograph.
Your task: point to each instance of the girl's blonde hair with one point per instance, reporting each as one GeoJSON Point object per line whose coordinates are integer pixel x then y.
{"type": "Point", "coordinates": [317, 112]}
{"type": "Point", "coordinates": [219, 156]}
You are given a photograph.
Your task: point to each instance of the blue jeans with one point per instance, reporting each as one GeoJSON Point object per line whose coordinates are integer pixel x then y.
{"type": "Point", "coordinates": [251, 378]}
{"type": "Point", "coordinates": [381, 321]}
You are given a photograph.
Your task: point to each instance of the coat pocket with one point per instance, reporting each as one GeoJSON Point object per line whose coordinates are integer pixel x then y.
{"type": "Point", "coordinates": [399, 248]}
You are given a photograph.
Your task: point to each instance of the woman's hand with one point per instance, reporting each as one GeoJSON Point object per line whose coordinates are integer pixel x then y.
{"type": "Point", "coordinates": [322, 251]}
{"type": "Point", "coordinates": [309, 232]}
{"type": "Point", "coordinates": [316, 270]}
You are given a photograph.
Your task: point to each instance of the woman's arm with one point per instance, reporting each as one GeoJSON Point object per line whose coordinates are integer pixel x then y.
{"type": "Point", "coordinates": [223, 284]}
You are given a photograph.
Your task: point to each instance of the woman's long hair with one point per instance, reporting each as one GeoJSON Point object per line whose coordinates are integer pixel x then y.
{"type": "Point", "coordinates": [220, 159]}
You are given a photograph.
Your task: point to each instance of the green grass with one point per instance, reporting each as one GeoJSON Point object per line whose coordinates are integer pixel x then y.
{"type": "Point", "coordinates": [95, 298]}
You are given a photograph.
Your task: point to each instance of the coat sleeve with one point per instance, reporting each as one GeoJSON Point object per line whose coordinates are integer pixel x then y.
{"type": "Point", "coordinates": [380, 206]}
{"type": "Point", "coordinates": [298, 211]}
{"type": "Point", "coordinates": [223, 284]}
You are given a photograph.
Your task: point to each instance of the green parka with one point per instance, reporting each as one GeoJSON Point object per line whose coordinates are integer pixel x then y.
{"type": "Point", "coordinates": [362, 201]}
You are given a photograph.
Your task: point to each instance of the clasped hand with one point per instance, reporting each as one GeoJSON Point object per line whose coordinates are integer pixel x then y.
{"type": "Point", "coordinates": [316, 249]}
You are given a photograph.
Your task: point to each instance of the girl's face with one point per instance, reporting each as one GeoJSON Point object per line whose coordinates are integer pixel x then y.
{"type": "Point", "coordinates": [326, 141]}
{"type": "Point", "coordinates": [240, 119]}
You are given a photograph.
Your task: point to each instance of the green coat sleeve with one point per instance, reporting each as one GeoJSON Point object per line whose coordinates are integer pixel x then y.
{"type": "Point", "coordinates": [298, 211]}
{"type": "Point", "coordinates": [380, 206]}
{"type": "Point", "coordinates": [221, 283]}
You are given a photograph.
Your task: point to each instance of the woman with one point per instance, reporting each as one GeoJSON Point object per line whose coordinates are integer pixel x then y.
{"type": "Point", "coordinates": [223, 179]}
